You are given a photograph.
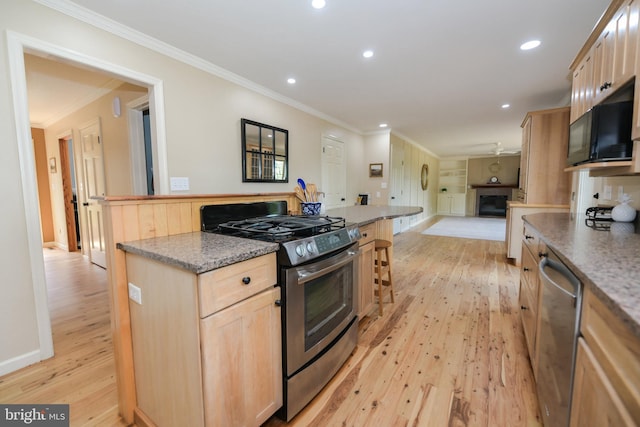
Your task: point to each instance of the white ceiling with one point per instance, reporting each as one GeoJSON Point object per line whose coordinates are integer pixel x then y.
{"type": "Point", "coordinates": [440, 73]}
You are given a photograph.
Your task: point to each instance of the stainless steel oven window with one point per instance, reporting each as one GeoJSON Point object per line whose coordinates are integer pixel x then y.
{"type": "Point", "coordinates": [328, 300]}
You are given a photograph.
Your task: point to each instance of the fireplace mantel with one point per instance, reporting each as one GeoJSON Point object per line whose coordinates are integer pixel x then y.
{"type": "Point", "coordinates": [494, 186]}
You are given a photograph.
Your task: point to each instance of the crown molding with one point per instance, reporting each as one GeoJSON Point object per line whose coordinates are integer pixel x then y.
{"type": "Point", "coordinates": [92, 18]}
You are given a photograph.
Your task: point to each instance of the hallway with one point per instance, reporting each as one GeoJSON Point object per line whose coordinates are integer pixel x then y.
{"type": "Point", "coordinates": [82, 372]}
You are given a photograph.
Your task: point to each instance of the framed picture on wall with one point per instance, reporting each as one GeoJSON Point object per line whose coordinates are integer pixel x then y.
{"type": "Point", "coordinates": [375, 170]}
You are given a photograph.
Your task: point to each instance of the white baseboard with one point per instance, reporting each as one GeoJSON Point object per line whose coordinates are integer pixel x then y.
{"type": "Point", "coordinates": [19, 362]}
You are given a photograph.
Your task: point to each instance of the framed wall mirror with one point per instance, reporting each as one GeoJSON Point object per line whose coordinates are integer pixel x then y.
{"type": "Point", "coordinates": [265, 152]}
{"type": "Point", "coordinates": [424, 176]}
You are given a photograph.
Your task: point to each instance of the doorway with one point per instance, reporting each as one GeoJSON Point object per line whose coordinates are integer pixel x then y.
{"type": "Point", "coordinates": [17, 46]}
{"type": "Point", "coordinates": [334, 173]}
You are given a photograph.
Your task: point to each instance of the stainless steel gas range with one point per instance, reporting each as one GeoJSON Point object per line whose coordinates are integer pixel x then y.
{"type": "Point", "coordinates": [318, 273]}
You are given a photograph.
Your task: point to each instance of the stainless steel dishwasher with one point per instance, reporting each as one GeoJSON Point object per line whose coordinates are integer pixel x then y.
{"type": "Point", "coordinates": [557, 338]}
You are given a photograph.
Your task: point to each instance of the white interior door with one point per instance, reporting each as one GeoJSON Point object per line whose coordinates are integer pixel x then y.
{"type": "Point", "coordinates": [334, 173]}
{"type": "Point", "coordinates": [94, 188]}
{"type": "Point", "coordinates": [396, 195]}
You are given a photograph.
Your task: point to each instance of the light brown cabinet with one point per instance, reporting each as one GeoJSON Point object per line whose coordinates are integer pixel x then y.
{"type": "Point", "coordinates": [545, 137]}
{"type": "Point", "coordinates": [583, 87]}
{"type": "Point", "coordinates": [606, 390]}
{"type": "Point", "coordinates": [381, 229]}
{"type": "Point", "coordinates": [367, 255]}
{"type": "Point", "coordinates": [529, 297]}
{"type": "Point", "coordinates": [608, 61]}
{"type": "Point", "coordinates": [207, 348]}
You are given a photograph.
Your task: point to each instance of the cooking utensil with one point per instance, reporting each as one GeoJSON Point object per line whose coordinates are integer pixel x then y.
{"type": "Point", "coordinates": [313, 192]}
{"type": "Point", "coordinates": [302, 185]}
{"type": "Point", "coordinates": [300, 194]}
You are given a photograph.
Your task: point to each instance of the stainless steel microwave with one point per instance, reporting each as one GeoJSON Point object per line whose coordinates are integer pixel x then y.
{"type": "Point", "coordinates": [602, 134]}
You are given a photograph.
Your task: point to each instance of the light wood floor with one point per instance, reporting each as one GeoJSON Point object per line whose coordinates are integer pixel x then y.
{"type": "Point", "coordinates": [82, 372]}
{"type": "Point", "coordinates": [449, 352]}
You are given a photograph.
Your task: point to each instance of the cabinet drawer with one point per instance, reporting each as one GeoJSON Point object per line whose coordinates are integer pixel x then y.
{"type": "Point", "coordinates": [531, 239]}
{"type": "Point", "coordinates": [368, 233]}
{"type": "Point", "coordinates": [616, 348]}
{"type": "Point", "coordinates": [529, 271]}
{"type": "Point", "coordinates": [529, 313]}
{"type": "Point", "coordinates": [221, 288]}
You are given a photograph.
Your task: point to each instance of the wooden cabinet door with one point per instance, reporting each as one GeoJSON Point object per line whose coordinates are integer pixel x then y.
{"type": "Point", "coordinates": [524, 157]}
{"type": "Point", "coordinates": [242, 362]}
{"type": "Point", "coordinates": [594, 400]}
{"type": "Point", "coordinates": [583, 87]}
{"type": "Point", "coordinates": [604, 55]}
{"type": "Point", "coordinates": [458, 204]}
{"type": "Point", "coordinates": [366, 299]}
{"type": "Point", "coordinates": [625, 23]}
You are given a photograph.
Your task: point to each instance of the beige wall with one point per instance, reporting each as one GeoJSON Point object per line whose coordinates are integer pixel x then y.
{"type": "Point", "coordinates": [203, 115]}
{"type": "Point", "coordinates": [376, 150]}
{"type": "Point", "coordinates": [479, 172]}
{"type": "Point", "coordinates": [115, 142]}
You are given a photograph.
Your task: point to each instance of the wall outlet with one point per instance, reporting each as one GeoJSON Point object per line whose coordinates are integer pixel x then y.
{"type": "Point", "coordinates": [620, 192]}
{"type": "Point", "coordinates": [383, 185]}
{"type": "Point", "coordinates": [606, 193]}
{"type": "Point", "coordinates": [135, 293]}
{"type": "Point", "coordinates": [179, 183]}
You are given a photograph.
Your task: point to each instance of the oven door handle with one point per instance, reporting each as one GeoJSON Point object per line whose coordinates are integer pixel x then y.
{"type": "Point", "coordinates": [326, 266]}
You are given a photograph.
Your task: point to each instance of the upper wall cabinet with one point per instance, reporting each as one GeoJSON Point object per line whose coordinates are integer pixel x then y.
{"type": "Point", "coordinates": [609, 59]}
{"type": "Point", "coordinates": [609, 63]}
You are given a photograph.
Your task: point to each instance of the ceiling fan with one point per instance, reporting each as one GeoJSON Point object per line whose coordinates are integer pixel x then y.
{"type": "Point", "coordinates": [499, 149]}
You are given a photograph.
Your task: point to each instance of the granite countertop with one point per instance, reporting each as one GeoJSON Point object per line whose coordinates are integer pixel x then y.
{"type": "Point", "coordinates": [199, 252]}
{"type": "Point", "coordinates": [606, 260]}
{"type": "Point", "coordinates": [366, 214]}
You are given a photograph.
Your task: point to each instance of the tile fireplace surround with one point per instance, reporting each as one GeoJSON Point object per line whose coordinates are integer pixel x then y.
{"type": "Point", "coordinates": [497, 192]}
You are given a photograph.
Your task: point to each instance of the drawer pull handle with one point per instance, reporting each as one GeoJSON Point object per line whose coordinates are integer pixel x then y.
{"type": "Point", "coordinates": [246, 280]}
{"type": "Point", "coordinates": [526, 236]}
{"type": "Point", "coordinates": [526, 269]}
{"type": "Point", "coordinates": [543, 254]}
{"type": "Point", "coordinates": [364, 234]}
{"type": "Point", "coordinates": [523, 307]}
{"type": "Point", "coordinates": [278, 303]}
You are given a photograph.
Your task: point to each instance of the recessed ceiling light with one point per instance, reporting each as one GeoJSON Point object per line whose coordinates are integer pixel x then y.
{"type": "Point", "coordinates": [318, 4]}
{"type": "Point", "coordinates": [532, 44]}
{"type": "Point", "coordinates": [291, 80]}
{"type": "Point", "coordinates": [367, 53]}
{"type": "Point", "coordinates": [383, 125]}
{"type": "Point", "coordinates": [505, 106]}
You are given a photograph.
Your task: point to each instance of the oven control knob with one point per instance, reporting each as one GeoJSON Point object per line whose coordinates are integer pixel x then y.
{"type": "Point", "coordinates": [310, 248]}
{"type": "Point", "coordinates": [301, 251]}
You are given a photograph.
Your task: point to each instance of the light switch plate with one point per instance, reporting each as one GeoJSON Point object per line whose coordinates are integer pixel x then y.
{"type": "Point", "coordinates": [179, 183]}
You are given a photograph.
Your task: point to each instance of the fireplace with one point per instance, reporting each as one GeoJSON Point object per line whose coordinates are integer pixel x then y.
{"type": "Point", "coordinates": [492, 205]}
{"type": "Point", "coordinates": [491, 200]}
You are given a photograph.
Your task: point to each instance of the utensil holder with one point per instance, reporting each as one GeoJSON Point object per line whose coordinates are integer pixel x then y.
{"type": "Point", "coordinates": [311, 208]}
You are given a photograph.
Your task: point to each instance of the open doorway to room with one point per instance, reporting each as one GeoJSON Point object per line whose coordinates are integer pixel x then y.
{"type": "Point", "coordinates": [18, 46]}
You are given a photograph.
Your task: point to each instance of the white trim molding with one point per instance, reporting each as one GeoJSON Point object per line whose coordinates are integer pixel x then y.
{"type": "Point", "coordinates": [17, 45]}
{"type": "Point", "coordinates": [19, 362]}
{"type": "Point", "coordinates": [92, 18]}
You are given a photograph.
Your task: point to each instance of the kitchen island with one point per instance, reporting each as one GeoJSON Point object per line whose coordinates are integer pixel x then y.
{"type": "Point", "coordinates": [209, 305]}
{"type": "Point", "coordinates": [606, 360]}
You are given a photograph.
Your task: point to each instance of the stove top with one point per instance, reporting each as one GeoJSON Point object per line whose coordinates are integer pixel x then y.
{"type": "Point", "coordinates": [302, 237]}
{"type": "Point", "coordinates": [280, 228]}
